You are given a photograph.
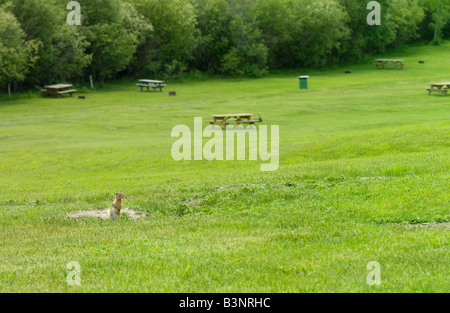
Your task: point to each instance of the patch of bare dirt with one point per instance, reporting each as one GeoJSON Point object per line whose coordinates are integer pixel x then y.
{"type": "Point", "coordinates": [193, 203]}
{"type": "Point", "coordinates": [104, 214]}
{"type": "Point", "coordinates": [377, 177]}
{"type": "Point", "coordinates": [233, 187]}
{"type": "Point", "coordinates": [433, 225]}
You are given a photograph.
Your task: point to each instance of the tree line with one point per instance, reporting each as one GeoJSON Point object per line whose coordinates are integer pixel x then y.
{"type": "Point", "coordinates": [169, 38]}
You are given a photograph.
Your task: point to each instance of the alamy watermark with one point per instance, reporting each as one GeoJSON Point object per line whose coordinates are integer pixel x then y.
{"type": "Point", "coordinates": [374, 17]}
{"type": "Point", "coordinates": [374, 276]}
{"type": "Point", "coordinates": [214, 147]}
{"type": "Point", "coordinates": [74, 276]}
{"type": "Point", "coordinates": [74, 17]}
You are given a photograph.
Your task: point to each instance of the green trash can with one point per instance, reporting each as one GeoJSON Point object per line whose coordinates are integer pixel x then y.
{"type": "Point", "coordinates": [303, 82]}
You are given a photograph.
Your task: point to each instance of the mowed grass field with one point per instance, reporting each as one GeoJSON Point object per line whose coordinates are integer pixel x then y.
{"type": "Point", "coordinates": [363, 176]}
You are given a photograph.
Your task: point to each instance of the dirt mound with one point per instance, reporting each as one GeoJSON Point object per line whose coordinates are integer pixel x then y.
{"type": "Point", "coordinates": [444, 225]}
{"type": "Point", "coordinates": [104, 214]}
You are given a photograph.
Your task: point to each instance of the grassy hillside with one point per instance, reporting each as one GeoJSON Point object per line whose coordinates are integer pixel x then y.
{"type": "Point", "coordinates": [363, 176]}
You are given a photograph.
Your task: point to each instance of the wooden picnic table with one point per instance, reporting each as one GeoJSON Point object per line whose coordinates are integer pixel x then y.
{"type": "Point", "coordinates": [439, 87]}
{"type": "Point", "coordinates": [151, 83]}
{"type": "Point", "coordinates": [58, 90]}
{"type": "Point", "coordinates": [240, 118]}
{"type": "Point", "coordinates": [398, 63]}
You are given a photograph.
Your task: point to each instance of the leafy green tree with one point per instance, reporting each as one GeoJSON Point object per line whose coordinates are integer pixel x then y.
{"type": "Point", "coordinates": [229, 40]}
{"type": "Point", "coordinates": [435, 23]}
{"type": "Point", "coordinates": [167, 50]}
{"type": "Point", "coordinates": [112, 48]}
{"type": "Point", "coordinates": [69, 56]}
{"type": "Point", "coordinates": [17, 55]}
{"type": "Point", "coordinates": [214, 38]}
{"type": "Point", "coordinates": [364, 39]}
{"type": "Point", "coordinates": [405, 16]}
{"type": "Point", "coordinates": [248, 54]}
{"type": "Point", "coordinates": [109, 27]}
{"type": "Point", "coordinates": [274, 19]}
{"type": "Point", "coordinates": [302, 33]}
{"type": "Point", "coordinates": [62, 54]}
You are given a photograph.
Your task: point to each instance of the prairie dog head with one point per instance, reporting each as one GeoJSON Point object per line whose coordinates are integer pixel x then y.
{"type": "Point", "coordinates": [119, 196]}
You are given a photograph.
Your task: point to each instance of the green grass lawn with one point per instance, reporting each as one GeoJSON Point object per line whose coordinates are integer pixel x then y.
{"type": "Point", "coordinates": [363, 176]}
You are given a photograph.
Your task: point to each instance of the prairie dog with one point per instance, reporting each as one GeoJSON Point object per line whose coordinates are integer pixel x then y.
{"type": "Point", "coordinates": [114, 212]}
